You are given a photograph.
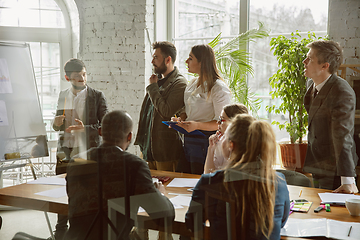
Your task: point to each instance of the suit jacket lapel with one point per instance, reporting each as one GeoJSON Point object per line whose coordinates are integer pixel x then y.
{"type": "Point", "coordinates": [90, 101]}
{"type": "Point", "coordinates": [320, 98]}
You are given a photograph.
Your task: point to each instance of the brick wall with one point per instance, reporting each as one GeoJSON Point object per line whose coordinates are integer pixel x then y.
{"type": "Point", "coordinates": [344, 27]}
{"type": "Point", "coordinates": [115, 47]}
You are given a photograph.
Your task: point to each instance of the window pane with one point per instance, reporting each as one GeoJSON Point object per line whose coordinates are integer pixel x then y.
{"type": "Point", "coordinates": [198, 22]}
{"type": "Point", "coordinates": [46, 61]}
{"type": "Point", "coordinates": [52, 19]}
{"type": "Point", "coordinates": [8, 3]}
{"type": "Point", "coordinates": [28, 3]}
{"type": "Point", "coordinates": [29, 18]}
{"type": "Point", "coordinates": [204, 19]}
{"type": "Point", "coordinates": [50, 55]}
{"type": "Point", "coordinates": [26, 13]}
{"type": "Point", "coordinates": [8, 17]}
{"type": "Point", "coordinates": [50, 76]}
{"type": "Point", "coordinates": [281, 17]}
{"type": "Point", "coordinates": [48, 4]}
{"type": "Point", "coordinates": [35, 53]}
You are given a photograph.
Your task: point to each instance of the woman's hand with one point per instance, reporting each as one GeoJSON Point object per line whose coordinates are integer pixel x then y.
{"type": "Point", "coordinates": [188, 125]}
{"type": "Point", "coordinates": [176, 119]}
{"type": "Point", "coordinates": [214, 139]}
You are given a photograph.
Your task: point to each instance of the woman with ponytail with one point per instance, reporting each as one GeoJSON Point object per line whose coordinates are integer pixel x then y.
{"type": "Point", "coordinates": [260, 193]}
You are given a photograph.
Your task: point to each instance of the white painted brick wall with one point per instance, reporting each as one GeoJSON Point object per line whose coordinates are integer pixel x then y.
{"type": "Point", "coordinates": [114, 48]}
{"type": "Point", "coordinates": [344, 27]}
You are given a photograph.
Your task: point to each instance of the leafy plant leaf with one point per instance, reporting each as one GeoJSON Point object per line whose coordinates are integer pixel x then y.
{"type": "Point", "coordinates": [289, 82]}
{"type": "Point", "coordinates": [233, 62]}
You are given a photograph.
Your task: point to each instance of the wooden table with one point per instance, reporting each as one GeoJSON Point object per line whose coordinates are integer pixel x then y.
{"type": "Point", "coordinates": [24, 196]}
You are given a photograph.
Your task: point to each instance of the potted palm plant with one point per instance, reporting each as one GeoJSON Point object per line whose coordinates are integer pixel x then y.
{"type": "Point", "coordinates": [234, 64]}
{"type": "Point", "coordinates": [289, 84]}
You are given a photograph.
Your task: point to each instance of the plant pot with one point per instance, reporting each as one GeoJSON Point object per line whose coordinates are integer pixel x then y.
{"type": "Point", "coordinates": [293, 155]}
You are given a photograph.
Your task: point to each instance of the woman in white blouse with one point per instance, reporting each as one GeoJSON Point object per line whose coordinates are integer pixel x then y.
{"type": "Point", "coordinates": [204, 97]}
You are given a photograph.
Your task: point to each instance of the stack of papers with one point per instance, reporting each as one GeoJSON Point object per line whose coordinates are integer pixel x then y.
{"type": "Point", "coordinates": [336, 198]}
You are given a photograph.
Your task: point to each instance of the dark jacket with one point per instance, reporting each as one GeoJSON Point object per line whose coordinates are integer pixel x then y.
{"type": "Point", "coordinates": [331, 148]}
{"type": "Point", "coordinates": [167, 100]}
{"type": "Point", "coordinates": [82, 190]}
{"type": "Point", "coordinates": [95, 109]}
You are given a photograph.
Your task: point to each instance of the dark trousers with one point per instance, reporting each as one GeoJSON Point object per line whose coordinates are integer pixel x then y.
{"type": "Point", "coordinates": [195, 148]}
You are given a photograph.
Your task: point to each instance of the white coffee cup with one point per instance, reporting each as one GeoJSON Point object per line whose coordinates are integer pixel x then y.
{"type": "Point", "coordinates": [353, 206]}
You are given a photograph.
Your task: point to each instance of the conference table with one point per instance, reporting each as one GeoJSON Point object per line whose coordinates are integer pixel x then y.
{"type": "Point", "coordinates": [23, 196]}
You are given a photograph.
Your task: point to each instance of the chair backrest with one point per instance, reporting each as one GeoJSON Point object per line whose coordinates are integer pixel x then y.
{"type": "Point", "coordinates": [25, 236]}
{"type": "Point", "coordinates": [230, 210]}
{"type": "Point", "coordinates": [295, 178]}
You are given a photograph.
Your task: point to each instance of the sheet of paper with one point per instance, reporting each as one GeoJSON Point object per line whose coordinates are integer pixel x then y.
{"type": "Point", "coordinates": [321, 227]}
{"type": "Point", "coordinates": [181, 200]}
{"type": "Point", "coordinates": [3, 114]}
{"type": "Point", "coordinates": [304, 227]}
{"type": "Point", "coordinates": [340, 230]}
{"type": "Point", "coordinates": [339, 198]}
{"type": "Point", "coordinates": [49, 181]}
{"type": "Point", "coordinates": [183, 182]}
{"type": "Point", "coordinates": [141, 210]}
{"type": "Point", "coordinates": [54, 193]}
{"type": "Point", "coordinates": [5, 82]}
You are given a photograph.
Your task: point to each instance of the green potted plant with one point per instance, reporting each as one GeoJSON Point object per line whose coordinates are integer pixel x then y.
{"type": "Point", "coordinates": [289, 84]}
{"type": "Point", "coordinates": [234, 64]}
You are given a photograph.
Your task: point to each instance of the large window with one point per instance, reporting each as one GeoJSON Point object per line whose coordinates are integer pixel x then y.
{"type": "Point", "coordinates": [197, 22]}
{"type": "Point", "coordinates": [281, 17]}
{"type": "Point", "coordinates": [45, 26]}
{"type": "Point", "coordinates": [41, 23]}
{"type": "Point", "coordinates": [31, 13]}
{"type": "Point", "coordinates": [200, 21]}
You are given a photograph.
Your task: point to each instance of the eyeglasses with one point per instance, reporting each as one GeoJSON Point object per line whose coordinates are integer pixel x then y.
{"type": "Point", "coordinates": [220, 120]}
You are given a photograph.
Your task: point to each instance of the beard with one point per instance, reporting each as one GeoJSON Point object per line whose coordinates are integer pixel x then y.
{"type": "Point", "coordinates": [78, 87]}
{"type": "Point", "coordinates": [161, 69]}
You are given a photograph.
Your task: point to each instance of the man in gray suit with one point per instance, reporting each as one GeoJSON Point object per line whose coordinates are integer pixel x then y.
{"type": "Point", "coordinates": [330, 102]}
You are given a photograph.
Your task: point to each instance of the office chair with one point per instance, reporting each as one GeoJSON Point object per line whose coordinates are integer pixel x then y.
{"type": "Point", "coordinates": [25, 236]}
{"type": "Point", "coordinates": [295, 178]}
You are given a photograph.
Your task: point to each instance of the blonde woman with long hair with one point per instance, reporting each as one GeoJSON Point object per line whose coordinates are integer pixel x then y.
{"type": "Point", "coordinates": [260, 194]}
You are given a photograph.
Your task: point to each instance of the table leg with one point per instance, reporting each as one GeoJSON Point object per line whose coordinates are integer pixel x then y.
{"type": "Point", "coordinates": [49, 225]}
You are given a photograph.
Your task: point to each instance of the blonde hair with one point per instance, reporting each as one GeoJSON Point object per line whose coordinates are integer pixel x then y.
{"type": "Point", "coordinates": [255, 193]}
{"type": "Point", "coordinates": [237, 132]}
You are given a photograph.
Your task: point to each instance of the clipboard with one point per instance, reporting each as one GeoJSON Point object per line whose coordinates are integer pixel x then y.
{"type": "Point", "coordinates": [181, 130]}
